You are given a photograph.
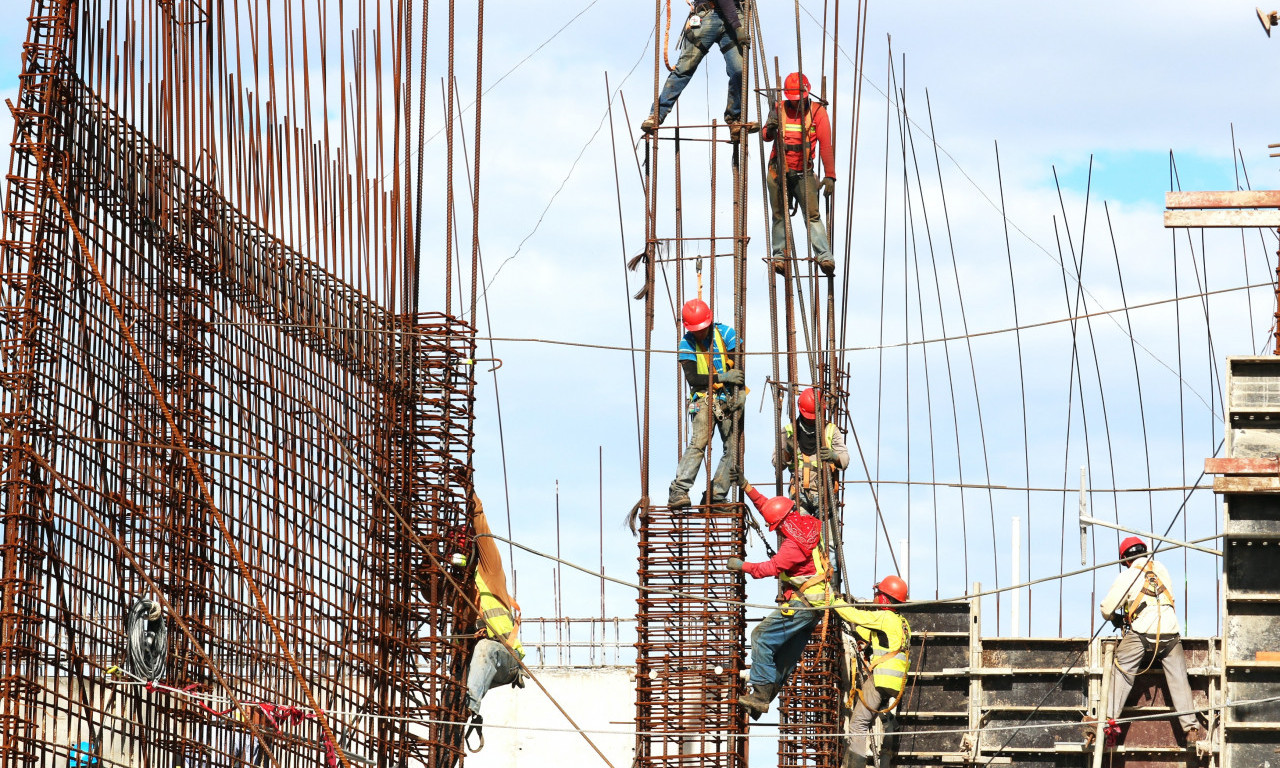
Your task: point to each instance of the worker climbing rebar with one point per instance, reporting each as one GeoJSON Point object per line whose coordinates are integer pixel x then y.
{"type": "Point", "coordinates": [802, 124]}
{"type": "Point", "coordinates": [886, 637]}
{"type": "Point", "coordinates": [710, 22]}
{"type": "Point", "coordinates": [710, 356]}
{"type": "Point", "coordinates": [1140, 603]}
{"type": "Point", "coordinates": [801, 451]}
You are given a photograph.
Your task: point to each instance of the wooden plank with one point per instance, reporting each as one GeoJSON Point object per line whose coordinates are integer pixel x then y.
{"type": "Point", "coordinates": [1221, 219]}
{"type": "Point", "coordinates": [1266, 656]}
{"type": "Point", "coordinates": [1257, 466]}
{"type": "Point", "coordinates": [1246, 484]}
{"type": "Point", "coordinates": [1262, 198]}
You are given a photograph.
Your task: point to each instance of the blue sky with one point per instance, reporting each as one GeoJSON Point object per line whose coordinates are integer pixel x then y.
{"type": "Point", "coordinates": [1053, 87]}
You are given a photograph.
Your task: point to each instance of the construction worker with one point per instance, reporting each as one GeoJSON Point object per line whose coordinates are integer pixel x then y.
{"type": "Point", "coordinates": [887, 636]}
{"type": "Point", "coordinates": [802, 452]}
{"type": "Point", "coordinates": [710, 22]}
{"type": "Point", "coordinates": [804, 128]}
{"type": "Point", "coordinates": [801, 564]}
{"type": "Point", "coordinates": [494, 661]}
{"type": "Point", "coordinates": [1140, 602]}
{"type": "Point", "coordinates": [709, 348]}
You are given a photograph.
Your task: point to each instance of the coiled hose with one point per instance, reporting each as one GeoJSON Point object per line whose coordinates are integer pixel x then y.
{"type": "Point", "coordinates": [148, 638]}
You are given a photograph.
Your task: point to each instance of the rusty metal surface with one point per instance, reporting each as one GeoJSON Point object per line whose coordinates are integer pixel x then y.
{"type": "Point", "coordinates": [208, 399]}
{"type": "Point", "coordinates": [1261, 198]}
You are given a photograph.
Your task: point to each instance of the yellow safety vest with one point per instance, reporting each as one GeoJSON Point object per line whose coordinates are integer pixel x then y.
{"type": "Point", "coordinates": [804, 470]}
{"type": "Point", "coordinates": [498, 621]}
{"type": "Point", "coordinates": [704, 355]}
{"type": "Point", "coordinates": [890, 643]}
{"type": "Point", "coordinates": [1154, 593]}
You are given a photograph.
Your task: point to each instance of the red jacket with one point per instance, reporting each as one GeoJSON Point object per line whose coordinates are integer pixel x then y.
{"type": "Point", "coordinates": [800, 536]}
{"type": "Point", "coordinates": [819, 137]}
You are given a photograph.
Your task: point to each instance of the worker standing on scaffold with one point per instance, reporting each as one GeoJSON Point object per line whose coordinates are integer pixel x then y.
{"type": "Point", "coordinates": [708, 347]}
{"type": "Point", "coordinates": [1140, 601]}
{"type": "Point", "coordinates": [804, 454]}
{"type": "Point", "coordinates": [710, 22]}
{"type": "Point", "coordinates": [801, 563]}
{"type": "Point", "coordinates": [804, 127]}
{"type": "Point", "coordinates": [887, 637]}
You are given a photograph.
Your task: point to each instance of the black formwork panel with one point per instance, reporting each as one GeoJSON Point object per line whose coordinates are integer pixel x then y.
{"type": "Point", "coordinates": [934, 711]}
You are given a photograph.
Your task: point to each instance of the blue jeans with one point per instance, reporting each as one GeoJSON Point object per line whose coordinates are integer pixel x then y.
{"type": "Point", "coordinates": [777, 644]}
{"type": "Point", "coordinates": [697, 42]}
{"type": "Point", "coordinates": [491, 665]}
{"type": "Point", "coordinates": [803, 186]}
{"type": "Point", "coordinates": [704, 421]}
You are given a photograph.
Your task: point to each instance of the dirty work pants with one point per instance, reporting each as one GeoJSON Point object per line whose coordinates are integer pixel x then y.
{"type": "Point", "coordinates": [802, 185]}
{"type": "Point", "coordinates": [865, 710]}
{"type": "Point", "coordinates": [703, 422]}
{"type": "Point", "coordinates": [697, 43]}
{"type": "Point", "coordinates": [1130, 653]}
{"type": "Point", "coordinates": [777, 644]}
{"type": "Point", "coordinates": [492, 664]}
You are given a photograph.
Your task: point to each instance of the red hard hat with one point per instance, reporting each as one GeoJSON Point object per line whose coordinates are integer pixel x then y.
{"type": "Point", "coordinates": [1130, 543]}
{"type": "Point", "coordinates": [893, 587]}
{"type": "Point", "coordinates": [808, 403]}
{"type": "Point", "coordinates": [795, 87]}
{"type": "Point", "coordinates": [696, 315]}
{"type": "Point", "coordinates": [775, 511]}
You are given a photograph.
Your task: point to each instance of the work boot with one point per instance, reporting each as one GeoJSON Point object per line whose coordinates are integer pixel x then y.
{"type": "Point", "coordinates": [757, 702]}
{"type": "Point", "coordinates": [779, 266]}
{"type": "Point", "coordinates": [853, 760]}
{"type": "Point", "coordinates": [1089, 730]}
{"type": "Point", "coordinates": [827, 265]}
{"type": "Point", "coordinates": [1194, 734]}
{"type": "Point", "coordinates": [736, 129]}
{"type": "Point", "coordinates": [650, 124]}
{"type": "Point", "coordinates": [678, 500]}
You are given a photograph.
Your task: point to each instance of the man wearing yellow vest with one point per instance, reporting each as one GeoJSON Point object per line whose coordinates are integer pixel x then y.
{"type": "Point", "coordinates": [494, 660]}
{"type": "Point", "coordinates": [804, 454]}
{"type": "Point", "coordinates": [803, 127]}
{"type": "Point", "coordinates": [888, 638]}
{"type": "Point", "coordinates": [1140, 601]}
{"type": "Point", "coordinates": [801, 564]}
{"type": "Point", "coordinates": [709, 355]}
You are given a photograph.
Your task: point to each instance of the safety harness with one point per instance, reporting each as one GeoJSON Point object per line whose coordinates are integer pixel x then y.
{"type": "Point", "coordinates": [1153, 592]}
{"type": "Point", "coordinates": [805, 466]}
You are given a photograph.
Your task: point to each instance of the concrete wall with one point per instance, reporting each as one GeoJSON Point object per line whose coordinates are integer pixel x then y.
{"type": "Point", "coordinates": [598, 698]}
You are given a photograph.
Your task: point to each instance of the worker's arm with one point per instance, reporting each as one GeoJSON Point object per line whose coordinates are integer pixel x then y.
{"type": "Point", "coordinates": [1116, 596]}
{"type": "Point", "coordinates": [842, 451]}
{"type": "Point", "coordinates": [789, 556]}
{"type": "Point", "coordinates": [887, 622]}
{"type": "Point", "coordinates": [729, 10]}
{"type": "Point", "coordinates": [770, 129]}
{"type": "Point", "coordinates": [696, 380]}
{"type": "Point", "coordinates": [782, 456]}
{"type": "Point", "coordinates": [757, 498]}
{"type": "Point", "coordinates": [822, 124]}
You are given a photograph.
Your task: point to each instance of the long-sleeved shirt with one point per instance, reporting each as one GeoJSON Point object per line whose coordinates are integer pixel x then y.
{"type": "Point", "coordinates": [729, 10]}
{"type": "Point", "coordinates": [795, 160]}
{"type": "Point", "coordinates": [800, 534]}
{"type": "Point", "coordinates": [837, 445]}
{"type": "Point", "coordinates": [1127, 589]}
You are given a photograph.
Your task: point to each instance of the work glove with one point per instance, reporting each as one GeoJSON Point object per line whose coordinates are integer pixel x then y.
{"type": "Point", "coordinates": [734, 377]}
{"type": "Point", "coordinates": [746, 487]}
{"type": "Point", "coordinates": [742, 39]}
{"type": "Point", "coordinates": [828, 454]}
{"type": "Point", "coordinates": [828, 186]}
{"type": "Point", "coordinates": [1117, 620]}
{"type": "Point", "coordinates": [771, 122]}
{"type": "Point", "coordinates": [735, 564]}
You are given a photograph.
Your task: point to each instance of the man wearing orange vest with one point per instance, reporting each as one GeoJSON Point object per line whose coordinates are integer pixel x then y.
{"type": "Point", "coordinates": [778, 641]}
{"type": "Point", "coordinates": [1140, 601]}
{"type": "Point", "coordinates": [804, 128]}
{"type": "Point", "coordinates": [801, 450]}
{"type": "Point", "coordinates": [709, 355]}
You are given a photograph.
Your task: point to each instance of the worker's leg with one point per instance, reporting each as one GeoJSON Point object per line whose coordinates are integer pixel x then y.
{"type": "Point", "coordinates": [772, 655]}
{"type": "Point", "coordinates": [1128, 658]}
{"type": "Point", "coordinates": [699, 435]}
{"type": "Point", "coordinates": [1174, 662]}
{"type": "Point", "coordinates": [864, 714]}
{"type": "Point", "coordinates": [778, 213]}
{"type": "Point", "coordinates": [733, 68]}
{"type": "Point", "coordinates": [491, 665]}
{"type": "Point", "coordinates": [722, 482]}
{"type": "Point", "coordinates": [807, 194]}
{"type": "Point", "coordinates": [696, 43]}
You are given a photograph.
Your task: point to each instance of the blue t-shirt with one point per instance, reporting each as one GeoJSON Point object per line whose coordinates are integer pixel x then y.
{"type": "Point", "coordinates": [689, 348]}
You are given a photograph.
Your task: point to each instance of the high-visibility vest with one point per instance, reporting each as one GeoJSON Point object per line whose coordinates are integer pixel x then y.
{"type": "Point", "coordinates": [817, 587]}
{"type": "Point", "coordinates": [706, 358]}
{"type": "Point", "coordinates": [804, 469]}
{"type": "Point", "coordinates": [799, 131]}
{"type": "Point", "coordinates": [498, 621]}
{"type": "Point", "coordinates": [1154, 593]}
{"type": "Point", "coordinates": [889, 648]}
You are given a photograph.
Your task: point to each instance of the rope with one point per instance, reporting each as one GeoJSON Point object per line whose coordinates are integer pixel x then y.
{"type": "Point", "coordinates": [147, 638]}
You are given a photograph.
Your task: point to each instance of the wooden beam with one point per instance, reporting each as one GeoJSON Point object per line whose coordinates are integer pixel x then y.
{"type": "Point", "coordinates": [1224, 466]}
{"type": "Point", "coordinates": [1221, 218]}
{"type": "Point", "coordinates": [1244, 484]}
{"type": "Point", "coordinates": [1265, 198]}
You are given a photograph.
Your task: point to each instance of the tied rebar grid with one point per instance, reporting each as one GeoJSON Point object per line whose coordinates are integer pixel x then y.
{"type": "Point", "coordinates": [809, 707]}
{"type": "Point", "coordinates": [322, 431]}
{"type": "Point", "coordinates": [690, 651]}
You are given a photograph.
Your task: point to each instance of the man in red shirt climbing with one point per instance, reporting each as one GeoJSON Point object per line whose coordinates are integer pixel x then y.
{"type": "Point", "coordinates": [804, 128]}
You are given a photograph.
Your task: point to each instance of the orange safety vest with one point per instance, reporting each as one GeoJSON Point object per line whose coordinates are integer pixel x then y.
{"type": "Point", "coordinates": [796, 132]}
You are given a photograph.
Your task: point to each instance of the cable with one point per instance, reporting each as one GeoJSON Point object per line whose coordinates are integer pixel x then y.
{"type": "Point", "coordinates": [147, 638]}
